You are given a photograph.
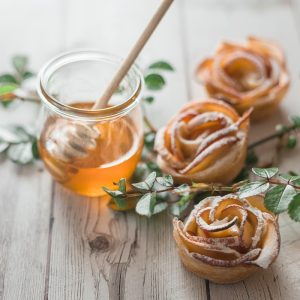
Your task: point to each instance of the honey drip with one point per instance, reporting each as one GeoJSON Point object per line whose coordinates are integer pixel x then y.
{"type": "Point", "coordinates": [116, 154]}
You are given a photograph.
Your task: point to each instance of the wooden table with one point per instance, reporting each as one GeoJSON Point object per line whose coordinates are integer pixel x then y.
{"type": "Point", "coordinates": [56, 245]}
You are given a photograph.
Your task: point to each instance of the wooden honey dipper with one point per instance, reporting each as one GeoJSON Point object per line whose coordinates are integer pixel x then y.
{"type": "Point", "coordinates": [74, 139]}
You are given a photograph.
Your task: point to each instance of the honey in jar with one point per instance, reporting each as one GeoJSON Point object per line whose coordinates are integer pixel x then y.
{"type": "Point", "coordinates": [117, 148]}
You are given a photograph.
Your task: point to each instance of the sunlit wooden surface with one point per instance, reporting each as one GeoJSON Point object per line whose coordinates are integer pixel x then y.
{"type": "Point", "coordinates": [55, 245]}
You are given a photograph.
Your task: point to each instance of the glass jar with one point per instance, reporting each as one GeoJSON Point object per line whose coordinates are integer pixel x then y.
{"type": "Point", "coordinates": [87, 149]}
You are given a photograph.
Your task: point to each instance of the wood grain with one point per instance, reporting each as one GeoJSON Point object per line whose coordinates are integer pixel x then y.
{"type": "Point", "coordinates": [25, 192]}
{"type": "Point", "coordinates": [55, 245]}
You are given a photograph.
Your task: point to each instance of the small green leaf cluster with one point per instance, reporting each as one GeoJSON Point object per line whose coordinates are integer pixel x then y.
{"type": "Point", "coordinates": [290, 131]}
{"type": "Point", "coordinates": [9, 82]}
{"type": "Point", "coordinates": [154, 79]}
{"type": "Point", "coordinates": [281, 191]}
{"type": "Point", "coordinates": [19, 144]}
{"type": "Point", "coordinates": [149, 138]}
{"type": "Point", "coordinates": [151, 194]}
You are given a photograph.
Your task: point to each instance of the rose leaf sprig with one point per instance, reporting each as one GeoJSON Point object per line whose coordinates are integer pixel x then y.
{"type": "Point", "coordinates": [19, 144]}
{"type": "Point", "coordinates": [156, 194]}
{"type": "Point", "coordinates": [282, 192]}
{"type": "Point", "coordinates": [154, 79]}
{"type": "Point", "coordinates": [10, 83]}
{"type": "Point", "coordinates": [282, 130]}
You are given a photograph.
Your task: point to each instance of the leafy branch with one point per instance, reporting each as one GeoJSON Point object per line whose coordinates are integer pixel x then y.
{"type": "Point", "coordinates": [282, 192]}
{"type": "Point", "coordinates": [281, 131]}
{"type": "Point", "coordinates": [156, 194]}
{"type": "Point", "coordinates": [11, 83]}
{"type": "Point", "coordinates": [154, 82]}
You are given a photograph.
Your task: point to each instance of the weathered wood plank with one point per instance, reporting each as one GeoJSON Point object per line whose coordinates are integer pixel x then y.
{"type": "Point", "coordinates": [96, 253]}
{"type": "Point", "coordinates": [25, 192]}
{"type": "Point", "coordinates": [26, 222]}
{"type": "Point", "coordinates": [214, 22]}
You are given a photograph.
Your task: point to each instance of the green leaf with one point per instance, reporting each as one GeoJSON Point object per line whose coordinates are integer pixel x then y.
{"type": "Point", "coordinates": [8, 78]}
{"type": "Point", "coordinates": [153, 167]}
{"type": "Point", "coordinates": [151, 179]}
{"type": "Point", "coordinates": [295, 180]}
{"type": "Point", "coordinates": [154, 82]}
{"type": "Point", "coordinates": [20, 63]}
{"type": "Point", "coordinates": [149, 139]}
{"type": "Point", "coordinates": [184, 188]}
{"type": "Point", "coordinates": [291, 142]}
{"type": "Point", "coordinates": [293, 173]}
{"type": "Point", "coordinates": [122, 185]}
{"type": "Point", "coordinates": [286, 177]}
{"type": "Point", "coordinates": [175, 210]}
{"type": "Point", "coordinates": [185, 198]}
{"type": "Point", "coordinates": [12, 134]}
{"type": "Point", "coordinates": [112, 193]}
{"type": "Point", "coordinates": [147, 184]}
{"type": "Point", "coordinates": [161, 65]}
{"type": "Point", "coordinates": [158, 208]}
{"type": "Point", "coordinates": [35, 150]}
{"type": "Point", "coordinates": [3, 146]}
{"type": "Point", "coordinates": [140, 172]}
{"type": "Point", "coordinates": [165, 181]}
{"type": "Point", "coordinates": [6, 89]}
{"type": "Point", "coordinates": [117, 197]}
{"type": "Point", "coordinates": [178, 208]}
{"type": "Point", "coordinates": [141, 186]}
{"type": "Point", "coordinates": [20, 153]}
{"type": "Point", "coordinates": [253, 188]}
{"type": "Point", "coordinates": [281, 128]}
{"type": "Point", "coordinates": [251, 158]}
{"type": "Point", "coordinates": [295, 121]}
{"type": "Point", "coordinates": [278, 198]}
{"type": "Point", "coordinates": [148, 99]}
{"type": "Point", "coordinates": [28, 74]}
{"type": "Point", "coordinates": [120, 201]}
{"type": "Point", "coordinates": [6, 103]}
{"type": "Point", "coordinates": [146, 204]}
{"type": "Point", "coordinates": [294, 208]}
{"type": "Point", "coordinates": [265, 173]}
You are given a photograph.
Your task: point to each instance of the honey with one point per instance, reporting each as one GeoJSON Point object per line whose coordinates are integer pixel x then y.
{"type": "Point", "coordinates": [116, 154]}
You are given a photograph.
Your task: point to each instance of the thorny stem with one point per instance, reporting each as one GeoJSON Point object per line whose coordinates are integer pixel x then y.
{"type": "Point", "coordinates": [272, 137]}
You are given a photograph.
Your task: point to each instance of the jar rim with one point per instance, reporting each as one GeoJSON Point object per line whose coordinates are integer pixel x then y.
{"type": "Point", "coordinates": [79, 113]}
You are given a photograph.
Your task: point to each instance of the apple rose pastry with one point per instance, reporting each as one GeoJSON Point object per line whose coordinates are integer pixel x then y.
{"type": "Point", "coordinates": [226, 239]}
{"type": "Point", "coordinates": [205, 142]}
{"type": "Point", "coordinates": [249, 75]}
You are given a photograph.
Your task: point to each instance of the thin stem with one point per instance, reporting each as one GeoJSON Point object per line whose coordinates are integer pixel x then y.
{"type": "Point", "coordinates": [272, 137]}
{"type": "Point", "coordinates": [34, 100]}
{"type": "Point", "coordinates": [277, 182]}
{"type": "Point", "coordinates": [202, 188]}
{"type": "Point", "coordinates": [146, 120]}
{"type": "Point", "coordinates": [149, 124]}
